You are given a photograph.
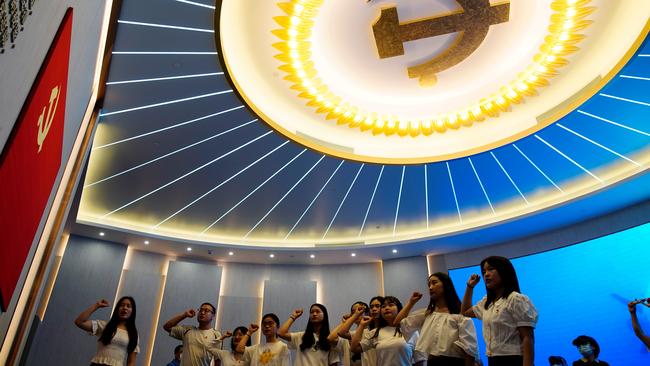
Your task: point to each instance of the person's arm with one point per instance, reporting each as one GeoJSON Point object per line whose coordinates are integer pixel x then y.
{"type": "Point", "coordinates": [82, 319]}
{"type": "Point", "coordinates": [355, 344]}
{"type": "Point", "coordinates": [189, 313]}
{"type": "Point", "coordinates": [527, 336]}
{"type": "Point", "coordinates": [241, 346]}
{"type": "Point", "coordinates": [283, 332]}
{"type": "Point", "coordinates": [466, 305]}
{"type": "Point", "coordinates": [636, 326]}
{"type": "Point", "coordinates": [227, 334]}
{"type": "Point", "coordinates": [130, 361]}
{"type": "Point", "coordinates": [407, 309]}
{"type": "Point", "coordinates": [344, 328]}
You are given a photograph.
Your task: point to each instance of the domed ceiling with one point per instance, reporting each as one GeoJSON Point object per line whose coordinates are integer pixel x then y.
{"type": "Point", "coordinates": [191, 150]}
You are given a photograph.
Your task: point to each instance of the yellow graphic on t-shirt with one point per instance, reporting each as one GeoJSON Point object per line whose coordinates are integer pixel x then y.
{"type": "Point", "coordinates": [266, 357]}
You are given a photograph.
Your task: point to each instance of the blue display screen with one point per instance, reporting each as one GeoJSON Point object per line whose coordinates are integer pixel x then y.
{"type": "Point", "coordinates": [583, 289]}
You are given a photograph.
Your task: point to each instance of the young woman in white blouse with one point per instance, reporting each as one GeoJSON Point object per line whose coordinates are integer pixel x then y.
{"type": "Point", "coordinates": [446, 336]}
{"type": "Point", "coordinates": [508, 316]}
{"type": "Point", "coordinates": [118, 338]}
{"type": "Point", "coordinates": [231, 357]}
{"type": "Point", "coordinates": [271, 353]}
{"type": "Point", "coordinates": [391, 347]}
{"type": "Point", "coordinates": [312, 347]}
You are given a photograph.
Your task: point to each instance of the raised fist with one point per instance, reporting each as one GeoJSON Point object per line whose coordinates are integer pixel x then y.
{"type": "Point", "coordinates": [297, 313]}
{"type": "Point", "coordinates": [473, 280]}
{"type": "Point", "coordinates": [190, 313]}
{"type": "Point", "coordinates": [101, 303]}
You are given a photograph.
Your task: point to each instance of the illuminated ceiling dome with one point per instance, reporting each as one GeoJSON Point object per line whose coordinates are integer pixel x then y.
{"type": "Point", "coordinates": [220, 123]}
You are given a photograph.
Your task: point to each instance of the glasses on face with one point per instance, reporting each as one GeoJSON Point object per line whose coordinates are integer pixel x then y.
{"type": "Point", "coordinates": [204, 310]}
{"type": "Point", "coordinates": [268, 324]}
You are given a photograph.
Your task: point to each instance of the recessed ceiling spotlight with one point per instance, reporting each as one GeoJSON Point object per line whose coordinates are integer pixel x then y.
{"type": "Point", "coordinates": [189, 249]}
{"type": "Point", "coordinates": [146, 242]}
{"type": "Point", "coordinates": [231, 253]}
{"type": "Point", "coordinates": [101, 233]}
{"type": "Point", "coordinates": [354, 254]}
{"type": "Point", "coordinates": [271, 255]}
{"type": "Point", "coordinates": [312, 256]}
{"type": "Point", "coordinates": [394, 251]}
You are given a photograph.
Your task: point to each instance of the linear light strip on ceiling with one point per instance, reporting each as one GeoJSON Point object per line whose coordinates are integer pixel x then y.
{"type": "Point", "coordinates": [284, 196]}
{"type": "Point", "coordinates": [314, 199]}
{"type": "Point", "coordinates": [509, 178]}
{"type": "Point", "coordinates": [453, 190]}
{"type": "Point", "coordinates": [169, 154]}
{"type": "Point", "coordinates": [634, 77]}
{"type": "Point", "coordinates": [253, 191]}
{"type": "Point", "coordinates": [399, 199]}
{"type": "Point", "coordinates": [538, 168]}
{"type": "Point", "coordinates": [481, 184]}
{"type": "Point", "coordinates": [166, 103]}
{"type": "Point", "coordinates": [426, 194]}
{"type": "Point", "coordinates": [614, 123]}
{"type": "Point", "coordinates": [220, 185]}
{"type": "Point", "coordinates": [166, 26]}
{"type": "Point", "coordinates": [186, 174]}
{"type": "Point", "coordinates": [163, 53]}
{"type": "Point", "coordinates": [372, 198]}
{"type": "Point", "coordinates": [343, 200]}
{"type": "Point", "coordinates": [196, 4]}
{"type": "Point", "coordinates": [624, 99]}
{"type": "Point", "coordinates": [599, 145]}
{"type": "Point", "coordinates": [568, 158]}
{"type": "Point", "coordinates": [164, 78]}
{"type": "Point", "coordinates": [168, 128]}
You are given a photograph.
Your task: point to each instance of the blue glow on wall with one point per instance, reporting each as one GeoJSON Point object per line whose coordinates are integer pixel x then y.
{"type": "Point", "coordinates": [584, 289]}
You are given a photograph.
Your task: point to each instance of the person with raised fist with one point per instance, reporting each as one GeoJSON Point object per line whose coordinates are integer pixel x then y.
{"type": "Point", "coordinates": [196, 340]}
{"type": "Point", "coordinates": [312, 346]}
{"type": "Point", "coordinates": [271, 353]}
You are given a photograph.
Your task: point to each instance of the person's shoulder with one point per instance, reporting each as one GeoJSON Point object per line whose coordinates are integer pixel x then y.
{"type": "Point", "coordinates": [603, 363]}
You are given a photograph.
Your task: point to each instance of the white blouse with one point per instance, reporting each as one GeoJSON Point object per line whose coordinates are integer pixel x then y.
{"type": "Point", "coordinates": [227, 357]}
{"type": "Point", "coordinates": [368, 357]}
{"type": "Point", "coordinates": [442, 334]}
{"type": "Point", "coordinates": [312, 356]}
{"type": "Point", "coordinates": [392, 349]}
{"type": "Point", "coordinates": [114, 353]}
{"type": "Point", "coordinates": [501, 320]}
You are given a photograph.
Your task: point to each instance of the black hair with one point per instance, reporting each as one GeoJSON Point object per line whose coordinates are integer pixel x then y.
{"type": "Point", "coordinates": [214, 310]}
{"type": "Point", "coordinates": [365, 306]}
{"type": "Point", "coordinates": [381, 301]}
{"type": "Point", "coordinates": [308, 339]}
{"type": "Point", "coordinates": [243, 331]}
{"type": "Point", "coordinates": [507, 274]}
{"type": "Point", "coordinates": [451, 296]}
{"type": "Point", "coordinates": [554, 360]}
{"type": "Point", "coordinates": [382, 321]}
{"type": "Point", "coordinates": [177, 348]}
{"type": "Point", "coordinates": [111, 327]}
{"type": "Point", "coordinates": [272, 316]}
{"type": "Point", "coordinates": [583, 339]}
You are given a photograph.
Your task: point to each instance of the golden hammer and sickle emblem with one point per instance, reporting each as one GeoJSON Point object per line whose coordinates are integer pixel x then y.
{"type": "Point", "coordinates": [44, 123]}
{"type": "Point", "coordinates": [473, 23]}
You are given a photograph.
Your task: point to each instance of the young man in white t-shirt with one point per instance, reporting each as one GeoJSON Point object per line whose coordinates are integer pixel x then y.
{"type": "Point", "coordinates": [196, 340]}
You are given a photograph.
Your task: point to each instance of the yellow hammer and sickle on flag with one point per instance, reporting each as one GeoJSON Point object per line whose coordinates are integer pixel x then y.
{"type": "Point", "coordinates": [45, 122]}
{"type": "Point", "coordinates": [472, 24]}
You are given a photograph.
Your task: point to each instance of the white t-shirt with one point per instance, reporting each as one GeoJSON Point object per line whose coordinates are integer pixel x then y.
{"type": "Point", "coordinates": [392, 349]}
{"type": "Point", "coordinates": [196, 343]}
{"type": "Point", "coordinates": [312, 356]}
{"type": "Point", "coordinates": [267, 354]}
{"type": "Point", "coordinates": [227, 357]}
{"type": "Point", "coordinates": [501, 320]}
{"type": "Point", "coordinates": [369, 356]}
{"type": "Point", "coordinates": [114, 353]}
{"type": "Point", "coordinates": [442, 334]}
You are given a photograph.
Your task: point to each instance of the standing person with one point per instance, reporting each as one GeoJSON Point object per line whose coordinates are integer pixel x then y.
{"type": "Point", "coordinates": [347, 357]}
{"type": "Point", "coordinates": [118, 338]}
{"type": "Point", "coordinates": [271, 353]}
{"type": "Point", "coordinates": [178, 350]}
{"type": "Point", "coordinates": [631, 307]}
{"type": "Point", "coordinates": [312, 346]}
{"type": "Point", "coordinates": [508, 316]}
{"type": "Point", "coordinates": [389, 342]}
{"type": "Point", "coordinates": [447, 337]}
{"type": "Point", "coordinates": [231, 357]}
{"type": "Point", "coordinates": [196, 340]}
{"type": "Point", "coordinates": [589, 350]}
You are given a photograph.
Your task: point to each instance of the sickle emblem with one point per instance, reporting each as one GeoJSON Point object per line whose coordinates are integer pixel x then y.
{"type": "Point", "coordinates": [472, 24]}
{"type": "Point", "coordinates": [44, 123]}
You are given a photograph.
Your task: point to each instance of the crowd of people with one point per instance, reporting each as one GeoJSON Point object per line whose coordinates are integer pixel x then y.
{"type": "Point", "coordinates": [380, 333]}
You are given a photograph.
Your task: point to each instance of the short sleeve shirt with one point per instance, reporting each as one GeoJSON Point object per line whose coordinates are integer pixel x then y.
{"type": "Point", "coordinates": [196, 343]}
{"type": "Point", "coordinates": [114, 353]}
{"type": "Point", "coordinates": [392, 349]}
{"type": "Point", "coordinates": [312, 356]}
{"type": "Point", "coordinates": [267, 354]}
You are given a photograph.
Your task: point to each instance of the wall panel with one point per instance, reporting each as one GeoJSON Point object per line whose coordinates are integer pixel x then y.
{"type": "Point", "coordinates": [404, 275]}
